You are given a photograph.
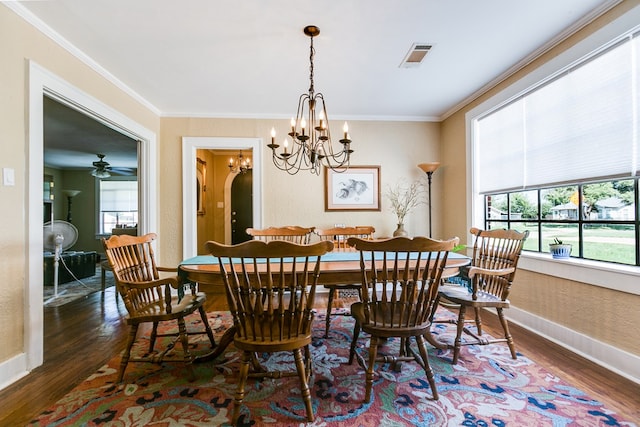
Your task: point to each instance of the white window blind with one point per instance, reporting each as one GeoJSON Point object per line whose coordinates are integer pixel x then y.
{"type": "Point", "coordinates": [581, 125]}
{"type": "Point", "coordinates": [118, 196]}
{"type": "Point", "coordinates": [501, 154]}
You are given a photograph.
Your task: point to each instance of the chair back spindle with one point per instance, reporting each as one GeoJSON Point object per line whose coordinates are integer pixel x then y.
{"type": "Point", "coordinates": [292, 233]}
{"type": "Point", "coordinates": [340, 235]}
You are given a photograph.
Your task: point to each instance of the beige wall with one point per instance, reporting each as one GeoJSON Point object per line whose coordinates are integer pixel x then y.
{"type": "Point", "coordinates": [603, 314]}
{"type": "Point", "coordinates": [396, 146]}
{"type": "Point", "coordinates": [19, 43]}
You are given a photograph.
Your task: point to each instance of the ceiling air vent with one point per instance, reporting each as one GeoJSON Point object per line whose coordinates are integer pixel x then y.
{"type": "Point", "coordinates": [415, 55]}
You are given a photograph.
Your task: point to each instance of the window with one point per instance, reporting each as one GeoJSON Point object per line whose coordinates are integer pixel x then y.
{"type": "Point", "coordinates": [118, 204]}
{"type": "Point", "coordinates": [603, 229]}
{"type": "Point", "coordinates": [562, 158]}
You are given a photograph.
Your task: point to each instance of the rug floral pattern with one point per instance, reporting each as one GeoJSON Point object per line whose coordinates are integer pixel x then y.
{"type": "Point", "coordinates": [486, 388]}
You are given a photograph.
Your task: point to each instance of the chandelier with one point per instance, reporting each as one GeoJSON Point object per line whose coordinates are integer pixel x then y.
{"type": "Point", "coordinates": [240, 164]}
{"type": "Point", "coordinates": [311, 144]}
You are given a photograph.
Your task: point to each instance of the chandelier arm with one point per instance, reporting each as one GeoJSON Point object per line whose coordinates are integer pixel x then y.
{"type": "Point", "coordinates": [291, 164]}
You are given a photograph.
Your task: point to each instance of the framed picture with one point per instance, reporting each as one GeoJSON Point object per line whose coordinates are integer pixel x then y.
{"type": "Point", "coordinates": [356, 189]}
{"type": "Point", "coordinates": [201, 184]}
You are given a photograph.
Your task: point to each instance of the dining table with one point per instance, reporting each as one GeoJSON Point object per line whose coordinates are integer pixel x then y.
{"type": "Point", "coordinates": [336, 267]}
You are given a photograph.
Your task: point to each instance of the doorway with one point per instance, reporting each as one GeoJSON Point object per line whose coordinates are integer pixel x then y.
{"type": "Point", "coordinates": [44, 83]}
{"type": "Point", "coordinates": [80, 155]}
{"type": "Point", "coordinates": [190, 145]}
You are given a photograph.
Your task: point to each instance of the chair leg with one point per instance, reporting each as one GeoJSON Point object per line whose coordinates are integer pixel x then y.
{"type": "Point", "coordinates": [133, 331]}
{"type": "Point", "coordinates": [507, 334]}
{"type": "Point", "coordinates": [304, 385]}
{"type": "Point", "coordinates": [478, 320]}
{"type": "Point", "coordinates": [207, 327]}
{"type": "Point", "coordinates": [184, 340]}
{"type": "Point", "coordinates": [332, 294]}
{"type": "Point", "coordinates": [373, 353]}
{"type": "Point", "coordinates": [354, 341]}
{"type": "Point", "coordinates": [242, 381]}
{"type": "Point", "coordinates": [422, 346]}
{"type": "Point", "coordinates": [308, 362]}
{"type": "Point", "coordinates": [153, 336]}
{"type": "Point", "coordinates": [460, 327]}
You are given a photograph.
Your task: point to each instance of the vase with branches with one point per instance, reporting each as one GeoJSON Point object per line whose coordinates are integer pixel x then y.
{"type": "Point", "coordinates": [404, 197]}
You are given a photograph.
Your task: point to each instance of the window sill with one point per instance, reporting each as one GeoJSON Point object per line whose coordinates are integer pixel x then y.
{"type": "Point", "coordinates": [621, 278]}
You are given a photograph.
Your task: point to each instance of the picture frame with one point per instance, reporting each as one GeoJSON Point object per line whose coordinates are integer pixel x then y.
{"type": "Point", "coordinates": [355, 189]}
{"type": "Point", "coordinates": [201, 184]}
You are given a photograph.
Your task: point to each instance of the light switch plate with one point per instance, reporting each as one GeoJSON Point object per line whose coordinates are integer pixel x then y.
{"type": "Point", "coordinates": [8, 176]}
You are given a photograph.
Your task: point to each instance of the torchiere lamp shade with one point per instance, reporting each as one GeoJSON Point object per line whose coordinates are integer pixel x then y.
{"type": "Point", "coordinates": [429, 167]}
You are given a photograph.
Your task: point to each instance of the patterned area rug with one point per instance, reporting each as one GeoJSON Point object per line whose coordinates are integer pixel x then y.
{"type": "Point", "coordinates": [76, 289]}
{"type": "Point", "coordinates": [486, 388]}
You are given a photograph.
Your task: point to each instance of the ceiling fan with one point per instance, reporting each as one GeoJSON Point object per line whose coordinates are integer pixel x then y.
{"type": "Point", "coordinates": [103, 169]}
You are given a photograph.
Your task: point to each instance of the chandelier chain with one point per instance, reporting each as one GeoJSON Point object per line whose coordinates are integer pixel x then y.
{"type": "Point", "coordinates": [312, 53]}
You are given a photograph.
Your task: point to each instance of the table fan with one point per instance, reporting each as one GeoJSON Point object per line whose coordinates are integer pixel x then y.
{"type": "Point", "coordinates": [58, 236]}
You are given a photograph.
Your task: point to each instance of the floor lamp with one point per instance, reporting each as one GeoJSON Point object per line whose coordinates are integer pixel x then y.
{"type": "Point", "coordinates": [70, 195]}
{"type": "Point", "coordinates": [429, 169]}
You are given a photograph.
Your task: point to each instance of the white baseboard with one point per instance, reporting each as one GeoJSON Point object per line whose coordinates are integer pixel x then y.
{"type": "Point", "coordinates": [12, 370]}
{"type": "Point", "coordinates": [605, 355]}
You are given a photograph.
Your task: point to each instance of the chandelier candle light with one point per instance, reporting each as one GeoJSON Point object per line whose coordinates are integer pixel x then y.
{"type": "Point", "coordinates": [240, 164]}
{"type": "Point", "coordinates": [310, 135]}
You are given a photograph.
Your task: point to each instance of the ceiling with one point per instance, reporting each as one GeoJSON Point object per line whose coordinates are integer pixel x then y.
{"type": "Point", "coordinates": [72, 140]}
{"type": "Point", "coordinates": [250, 58]}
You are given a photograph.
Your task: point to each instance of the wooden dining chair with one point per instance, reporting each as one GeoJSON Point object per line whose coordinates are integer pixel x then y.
{"type": "Point", "coordinates": [291, 233]}
{"type": "Point", "coordinates": [493, 268]}
{"type": "Point", "coordinates": [271, 300]}
{"type": "Point", "coordinates": [400, 280]}
{"type": "Point", "coordinates": [339, 237]}
{"type": "Point", "coordinates": [149, 298]}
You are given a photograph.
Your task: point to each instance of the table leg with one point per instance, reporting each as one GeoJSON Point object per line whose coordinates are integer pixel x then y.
{"type": "Point", "coordinates": [225, 340]}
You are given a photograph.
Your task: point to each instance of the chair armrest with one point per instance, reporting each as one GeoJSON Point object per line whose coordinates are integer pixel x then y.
{"type": "Point", "coordinates": [172, 281]}
{"type": "Point", "coordinates": [171, 269]}
{"type": "Point", "coordinates": [489, 271]}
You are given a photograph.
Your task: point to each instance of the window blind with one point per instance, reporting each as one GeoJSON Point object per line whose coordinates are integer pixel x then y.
{"type": "Point", "coordinates": [118, 196]}
{"type": "Point", "coordinates": [582, 125]}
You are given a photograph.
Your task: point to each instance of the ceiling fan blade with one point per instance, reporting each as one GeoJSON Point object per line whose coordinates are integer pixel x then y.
{"type": "Point", "coordinates": [122, 171]}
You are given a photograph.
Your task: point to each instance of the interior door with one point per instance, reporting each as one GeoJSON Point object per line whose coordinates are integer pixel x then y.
{"type": "Point", "coordinates": [241, 207]}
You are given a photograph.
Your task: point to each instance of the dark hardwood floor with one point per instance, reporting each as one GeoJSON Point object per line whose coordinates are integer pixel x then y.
{"type": "Point", "coordinates": [83, 335]}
